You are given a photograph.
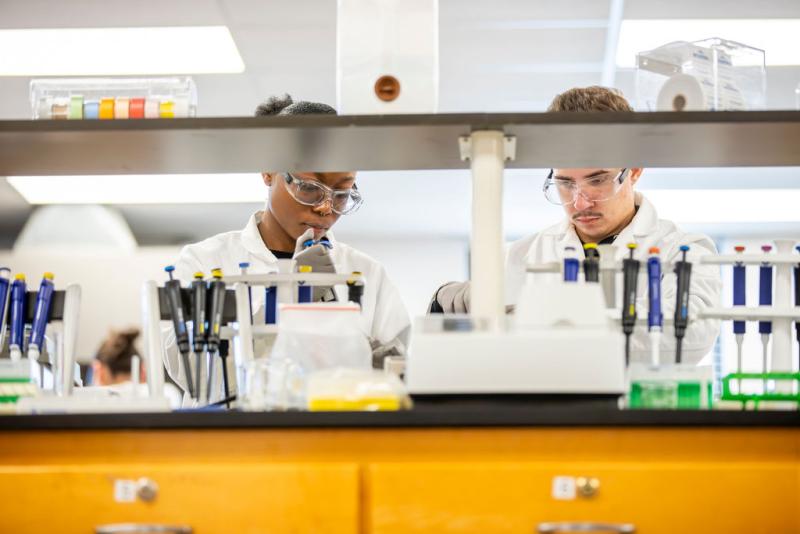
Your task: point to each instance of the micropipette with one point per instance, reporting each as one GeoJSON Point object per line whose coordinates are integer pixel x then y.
{"type": "Point", "coordinates": [739, 299]}
{"type": "Point", "coordinates": [5, 294]}
{"type": "Point", "coordinates": [175, 303]}
{"type": "Point", "coordinates": [591, 263]}
{"type": "Point", "coordinates": [683, 273]}
{"type": "Point", "coordinates": [655, 319]}
{"type": "Point", "coordinates": [765, 299]}
{"type": "Point", "coordinates": [216, 290]}
{"type": "Point", "coordinates": [17, 312]}
{"type": "Point", "coordinates": [198, 327]}
{"type": "Point", "coordinates": [571, 264]}
{"type": "Point", "coordinates": [796, 303]}
{"type": "Point", "coordinates": [41, 314]}
{"type": "Point", "coordinates": [355, 288]}
{"type": "Point", "coordinates": [303, 289]}
{"type": "Point", "coordinates": [630, 276]}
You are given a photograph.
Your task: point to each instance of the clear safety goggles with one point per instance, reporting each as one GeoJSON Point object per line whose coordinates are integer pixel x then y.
{"type": "Point", "coordinates": [313, 193]}
{"type": "Point", "coordinates": [598, 188]}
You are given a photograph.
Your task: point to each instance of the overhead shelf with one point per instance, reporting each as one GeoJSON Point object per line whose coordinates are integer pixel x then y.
{"type": "Point", "coordinates": [396, 142]}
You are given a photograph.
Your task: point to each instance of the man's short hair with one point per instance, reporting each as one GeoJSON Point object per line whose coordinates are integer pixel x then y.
{"type": "Point", "coordinates": [593, 98]}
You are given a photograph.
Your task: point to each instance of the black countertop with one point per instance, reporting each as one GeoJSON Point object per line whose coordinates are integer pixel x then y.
{"type": "Point", "coordinates": [472, 413]}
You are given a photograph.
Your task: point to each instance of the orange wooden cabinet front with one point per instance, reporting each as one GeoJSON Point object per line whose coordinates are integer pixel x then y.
{"type": "Point", "coordinates": [657, 498]}
{"type": "Point", "coordinates": [211, 498]}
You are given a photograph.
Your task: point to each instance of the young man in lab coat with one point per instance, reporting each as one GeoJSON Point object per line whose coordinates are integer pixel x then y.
{"type": "Point", "coordinates": [602, 206]}
{"type": "Point", "coordinates": [301, 206]}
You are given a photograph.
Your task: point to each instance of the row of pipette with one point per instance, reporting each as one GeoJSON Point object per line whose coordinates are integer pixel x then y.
{"type": "Point", "coordinates": [206, 305]}
{"type": "Point", "coordinates": [765, 297]}
{"type": "Point", "coordinates": [630, 272]}
{"type": "Point", "coordinates": [13, 303]}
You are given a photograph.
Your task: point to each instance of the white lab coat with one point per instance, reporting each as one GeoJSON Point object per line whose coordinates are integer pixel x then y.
{"type": "Point", "coordinates": [384, 316]}
{"type": "Point", "coordinates": [646, 230]}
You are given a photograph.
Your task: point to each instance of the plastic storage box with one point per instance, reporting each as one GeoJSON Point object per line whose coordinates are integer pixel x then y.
{"type": "Point", "coordinates": [113, 98]}
{"type": "Point", "coordinates": [713, 74]}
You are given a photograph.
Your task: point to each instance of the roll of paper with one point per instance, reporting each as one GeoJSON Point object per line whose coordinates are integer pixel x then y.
{"type": "Point", "coordinates": [681, 92]}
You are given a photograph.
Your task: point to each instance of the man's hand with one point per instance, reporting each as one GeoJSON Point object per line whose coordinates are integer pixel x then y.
{"type": "Point", "coordinates": [453, 297]}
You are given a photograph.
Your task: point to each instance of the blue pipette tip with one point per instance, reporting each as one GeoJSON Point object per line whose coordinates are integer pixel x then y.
{"type": "Point", "coordinates": [308, 242]}
{"type": "Point", "coordinates": [244, 265]}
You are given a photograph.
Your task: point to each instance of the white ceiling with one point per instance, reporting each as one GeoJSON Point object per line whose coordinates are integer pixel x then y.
{"type": "Point", "coordinates": [504, 55]}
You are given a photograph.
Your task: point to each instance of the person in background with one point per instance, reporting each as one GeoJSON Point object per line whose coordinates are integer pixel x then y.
{"type": "Point", "coordinates": [112, 362]}
{"type": "Point", "coordinates": [602, 206]}
{"type": "Point", "coordinates": [301, 205]}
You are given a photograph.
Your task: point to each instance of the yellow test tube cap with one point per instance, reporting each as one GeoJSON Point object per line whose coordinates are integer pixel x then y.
{"type": "Point", "coordinates": [587, 246]}
{"type": "Point", "coordinates": [19, 276]}
{"type": "Point", "coordinates": [305, 268]}
{"type": "Point", "coordinates": [216, 273]}
{"type": "Point", "coordinates": [199, 275]}
{"type": "Point", "coordinates": [631, 246]}
{"type": "Point", "coordinates": [48, 275]}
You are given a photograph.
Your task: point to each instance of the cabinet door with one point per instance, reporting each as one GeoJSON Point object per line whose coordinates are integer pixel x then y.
{"type": "Point", "coordinates": [217, 498]}
{"type": "Point", "coordinates": [518, 497]}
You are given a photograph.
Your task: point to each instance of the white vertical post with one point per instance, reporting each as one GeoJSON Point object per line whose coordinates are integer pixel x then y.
{"type": "Point", "coordinates": [782, 339]}
{"type": "Point", "coordinates": [487, 155]}
{"type": "Point", "coordinates": [243, 353]}
{"type": "Point", "coordinates": [151, 320]}
{"type": "Point", "coordinates": [65, 365]}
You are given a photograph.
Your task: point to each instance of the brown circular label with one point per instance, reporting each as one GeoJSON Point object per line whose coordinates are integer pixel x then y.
{"type": "Point", "coordinates": [387, 88]}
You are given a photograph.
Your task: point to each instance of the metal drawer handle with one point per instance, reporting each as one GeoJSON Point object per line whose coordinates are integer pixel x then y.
{"type": "Point", "coordinates": [134, 528]}
{"type": "Point", "coordinates": [588, 526]}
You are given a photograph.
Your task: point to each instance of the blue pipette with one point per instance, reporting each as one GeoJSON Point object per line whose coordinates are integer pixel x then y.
{"type": "Point", "coordinates": [739, 299]}
{"type": "Point", "coordinates": [17, 311]}
{"type": "Point", "coordinates": [303, 289]}
{"type": "Point", "coordinates": [5, 293]}
{"type": "Point", "coordinates": [765, 299]}
{"type": "Point", "coordinates": [41, 314]}
{"type": "Point", "coordinates": [571, 264]}
{"type": "Point", "coordinates": [655, 318]}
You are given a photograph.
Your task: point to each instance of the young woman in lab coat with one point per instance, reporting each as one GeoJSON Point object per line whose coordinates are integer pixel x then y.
{"type": "Point", "coordinates": [301, 205]}
{"type": "Point", "coordinates": [601, 206]}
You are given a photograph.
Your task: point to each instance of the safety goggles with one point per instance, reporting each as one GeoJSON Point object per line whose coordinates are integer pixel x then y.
{"type": "Point", "coordinates": [313, 193]}
{"type": "Point", "coordinates": [598, 188]}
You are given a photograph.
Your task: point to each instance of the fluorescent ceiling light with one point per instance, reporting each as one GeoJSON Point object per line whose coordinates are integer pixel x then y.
{"type": "Point", "coordinates": [119, 51]}
{"type": "Point", "coordinates": [779, 38]}
{"type": "Point", "coordinates": [726, 205]}
{"type": "Point", "coordinates": [141, 189]}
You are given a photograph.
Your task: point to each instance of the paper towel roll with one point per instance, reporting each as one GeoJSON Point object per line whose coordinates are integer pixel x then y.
{"type": "Point", "coordinates": [681, 92]}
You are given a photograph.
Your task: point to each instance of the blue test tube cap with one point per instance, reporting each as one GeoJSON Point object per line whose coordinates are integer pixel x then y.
{"type": "Point", "coordinates": [308, 242]}
{"type": "Point", "coordinates": [684, 248]}
{"type": "Point", "coordinates": [244, 265]}
{"type": "Point", "coordinates": [169, 268]}
{"type": "Point", "coordinates": [797, 248]}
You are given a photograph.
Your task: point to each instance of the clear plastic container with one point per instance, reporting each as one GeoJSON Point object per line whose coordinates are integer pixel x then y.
{"type": "Point", "coordinates": [712, 74]}
{"type": "Point", "coordinates": [113, 98]}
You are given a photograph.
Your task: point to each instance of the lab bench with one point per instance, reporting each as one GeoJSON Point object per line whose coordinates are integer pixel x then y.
{"type": "Point", "coordinates": [480, 466]}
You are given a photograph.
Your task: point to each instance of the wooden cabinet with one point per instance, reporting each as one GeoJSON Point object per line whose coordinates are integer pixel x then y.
{"type": "Point", "coordinates": [211, 498]}
{"type": "Point", "coordinates": [656, 498]}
